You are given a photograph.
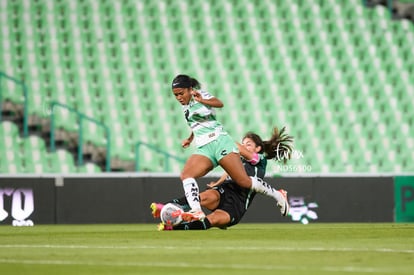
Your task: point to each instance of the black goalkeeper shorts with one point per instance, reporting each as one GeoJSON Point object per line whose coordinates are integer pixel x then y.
{"type": "Point", "coordinates": [234, 200]}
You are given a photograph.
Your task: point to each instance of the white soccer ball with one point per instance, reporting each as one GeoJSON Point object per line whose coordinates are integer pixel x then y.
{"type": "Point", "coordinates": [171, 214]}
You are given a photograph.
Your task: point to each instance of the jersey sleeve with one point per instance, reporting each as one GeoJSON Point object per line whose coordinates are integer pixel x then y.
{"type": "Point", "coordinates": [258, 169]}
{"type": "Point", "coordinates": [205, 94]}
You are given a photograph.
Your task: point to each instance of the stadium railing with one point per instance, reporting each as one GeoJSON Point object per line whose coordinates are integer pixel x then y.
{"type": "Point", "coordinates": [80, 119]}
{"type": "Point", "coordinates": [167, 156]}
{"type": "Point", "coordinates": [25, 104]}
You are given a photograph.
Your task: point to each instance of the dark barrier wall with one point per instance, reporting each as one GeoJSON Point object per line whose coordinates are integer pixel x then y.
{"type": "Point", "coordinates": [325, 199]}
{"type": "Point", "coordinates": [25, 200]}
{"type": "Point", "coordinates": [127, 199]}
{"type": "Point", "coordinates": [112, 200]}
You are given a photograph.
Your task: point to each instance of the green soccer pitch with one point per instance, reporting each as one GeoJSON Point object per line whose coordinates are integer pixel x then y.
{"type": "Point", "coordinates": [374, 248]}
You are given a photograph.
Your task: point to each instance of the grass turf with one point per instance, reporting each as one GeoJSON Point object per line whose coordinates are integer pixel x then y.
{"type": "Point", "coordinates": [244, 249]}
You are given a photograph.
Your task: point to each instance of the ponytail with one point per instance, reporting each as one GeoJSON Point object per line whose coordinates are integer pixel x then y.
{"type": "Point", "coordinates": [279, 147]}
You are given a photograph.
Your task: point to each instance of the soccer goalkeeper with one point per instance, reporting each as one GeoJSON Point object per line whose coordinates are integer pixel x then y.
{"type": "Point", "coordinates": [225, 198]}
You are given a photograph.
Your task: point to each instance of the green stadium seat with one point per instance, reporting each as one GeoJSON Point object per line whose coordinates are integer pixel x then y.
{"type": "Point", "coordinates": [11, 143]}
{"type": "Point", "coordinates": [89, 168]}
{"type": "Point", "coordinates": [321, 68]}
{"type": "Point", "coordinates": [62, 161]}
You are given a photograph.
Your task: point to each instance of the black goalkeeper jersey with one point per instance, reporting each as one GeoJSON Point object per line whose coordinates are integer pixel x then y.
{"type": "Point", "coordinates": [246, 195]}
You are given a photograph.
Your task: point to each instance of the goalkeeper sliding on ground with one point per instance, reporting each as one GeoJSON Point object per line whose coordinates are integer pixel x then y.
{"type": "Point", "coordinates": [225, 198]}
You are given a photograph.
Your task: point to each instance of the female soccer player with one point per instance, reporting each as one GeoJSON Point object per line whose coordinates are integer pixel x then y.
{"type": "Point", "coordinates": [226, 199]}
{"type": "Point", "coordinates": [214, 147]}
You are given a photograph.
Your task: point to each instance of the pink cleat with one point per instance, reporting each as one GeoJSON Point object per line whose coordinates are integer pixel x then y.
{"type": "Point", "coordinates": [156, 209]}
{"type": "Point", "coordinates": [164, 227]}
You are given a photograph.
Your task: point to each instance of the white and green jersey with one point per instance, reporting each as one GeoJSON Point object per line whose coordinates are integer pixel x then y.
{"type": "Point", "coordinates": [202, 121]}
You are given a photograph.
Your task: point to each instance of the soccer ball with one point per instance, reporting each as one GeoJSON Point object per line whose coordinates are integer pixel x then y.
{"type": "Point", "coordinates": [171, 214]}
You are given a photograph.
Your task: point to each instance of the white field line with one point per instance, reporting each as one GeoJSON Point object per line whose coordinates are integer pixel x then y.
{"type": "Point", "coordinates": [238, 248]}
{"type": "Point", "coordinates": [350, 269]}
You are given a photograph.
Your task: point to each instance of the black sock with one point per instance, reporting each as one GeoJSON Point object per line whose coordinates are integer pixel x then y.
{"type": "Point", "coordinates": [195, 225]}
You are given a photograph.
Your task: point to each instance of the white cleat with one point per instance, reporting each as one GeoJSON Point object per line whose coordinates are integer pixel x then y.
{"type": "Point", "coordinates": [284, 205]}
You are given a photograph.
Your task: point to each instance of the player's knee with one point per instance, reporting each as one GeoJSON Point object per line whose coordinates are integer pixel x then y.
{"type": "Point", "coordinates": [183, 176]}
{"type": "Point", "coordinates": [210, 199]}
{"type": "Point", "coordinates": [186, 173]}
{"type": "Point", "coordinates": [219, 218]}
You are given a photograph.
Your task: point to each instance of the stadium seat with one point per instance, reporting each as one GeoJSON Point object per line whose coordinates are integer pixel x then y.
{"type": "Point", "coordinates": [336, 75]}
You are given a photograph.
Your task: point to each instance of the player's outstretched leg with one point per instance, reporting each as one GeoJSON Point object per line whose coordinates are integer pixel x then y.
{"type": "Point", "coordinates": [283, 204]}
{"type": "Point", "coordinates": [280, 196]}
{"type": "Point", "coordinates": [194, 225]}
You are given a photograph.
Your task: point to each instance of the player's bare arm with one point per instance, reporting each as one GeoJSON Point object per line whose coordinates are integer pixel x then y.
{"type": "Point", "coordinates": [213, 102]}
{"type": "Point", "coordinates": [219, 181]}
{"type": "Point", "coordinates": [186, 142]}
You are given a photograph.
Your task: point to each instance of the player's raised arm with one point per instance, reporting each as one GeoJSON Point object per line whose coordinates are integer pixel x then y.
{"type": "Point", "coordinates": [213, 101]}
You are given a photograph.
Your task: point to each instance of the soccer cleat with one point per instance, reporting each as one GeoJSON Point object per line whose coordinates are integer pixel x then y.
{"type": "Point", "coordinates": [284, 206]}
{"type": "Point", "coordinates": [156, 209]}
{"type": "Point", "coordinates": [193, 215]}
{"type": "Point", "coordinates": [177, 213]}
{"type": "Point", "coordinates": [164, 227]}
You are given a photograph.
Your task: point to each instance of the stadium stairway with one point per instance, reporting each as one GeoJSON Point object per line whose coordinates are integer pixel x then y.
{"type": "Point", "coordinates": [30, 154]}
{"type": "Point", "coordinates": [33, 152]}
